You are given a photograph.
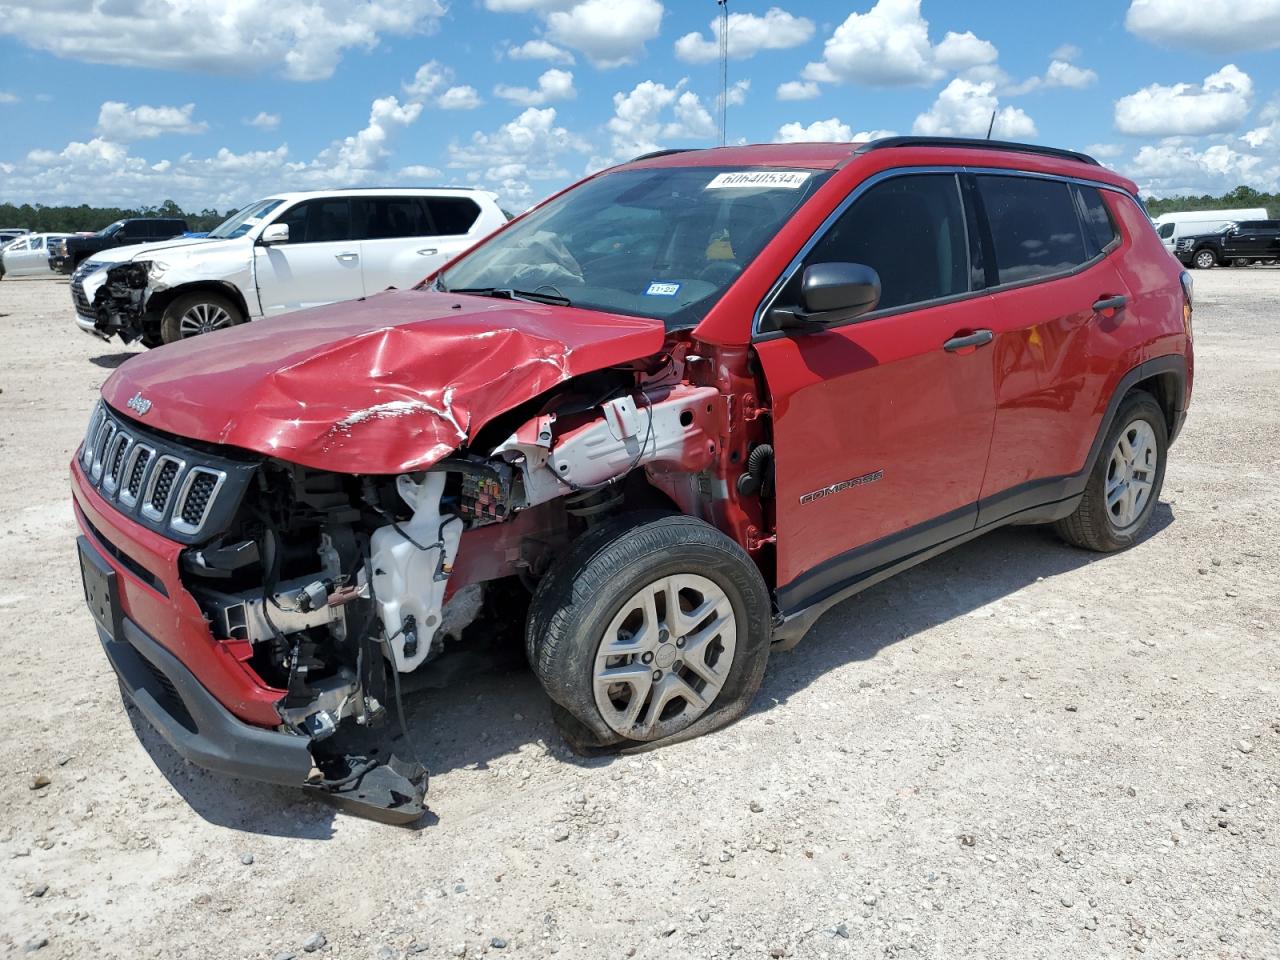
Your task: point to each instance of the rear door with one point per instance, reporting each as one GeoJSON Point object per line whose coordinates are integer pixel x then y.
{"type": "Point", "coordinates": [17, 257]}
{"type": "Point", "coordinates": [319, 264]}
{"type": "Point", "coordinates": [1063, 326]}
{"type": "Point", "coordinates": [881, 431]}
{"type": "Point", "coordinates": [397, 242]}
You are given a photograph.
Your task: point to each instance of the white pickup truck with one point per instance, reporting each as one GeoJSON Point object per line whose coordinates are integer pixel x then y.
{"type": "Point", "coordinates": [283, 253]}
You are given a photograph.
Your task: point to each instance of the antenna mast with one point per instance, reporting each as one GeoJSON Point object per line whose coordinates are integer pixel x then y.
{"type": "Point", "coordinates": [724, 68]}
{"type": "Point", "coordinates": [992, 125]}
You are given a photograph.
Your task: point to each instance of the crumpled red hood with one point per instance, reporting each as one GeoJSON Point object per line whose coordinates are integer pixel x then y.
{"type": "Point", "coordinates": [388, 384]}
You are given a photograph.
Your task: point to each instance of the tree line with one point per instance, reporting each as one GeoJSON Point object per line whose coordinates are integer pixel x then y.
{"type": "Point", "coordinates": [1236, 199]}
{"type": "Point", "coordinates": [45, 219]}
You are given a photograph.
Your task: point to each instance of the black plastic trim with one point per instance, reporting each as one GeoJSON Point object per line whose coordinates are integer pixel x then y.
{"type": "Point", "coordinates": [1004, 146]}
{"type": "Point", "coordinates": [197, 726]}
{"type": "Point", "coordinates": [126, 561]}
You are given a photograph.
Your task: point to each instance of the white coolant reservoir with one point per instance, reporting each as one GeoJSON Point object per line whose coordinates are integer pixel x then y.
{"type": "Point", "coordinates": [409, 581]}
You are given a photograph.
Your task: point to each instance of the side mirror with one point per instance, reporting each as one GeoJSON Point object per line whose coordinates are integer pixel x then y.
{"type": "Point", "coordinates": [275, 233]}
{"type": "Point", "coordinates": [831, 293]}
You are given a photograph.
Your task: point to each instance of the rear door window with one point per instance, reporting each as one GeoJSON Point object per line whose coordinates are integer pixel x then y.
{"type": "Point", "coordinates": [453, 215]}
{"type": "Point", "coordinates": [1099, 229]}
{"type": "Point", "coordinates": [388, 218]}
{"type": "Point", "coordinates": [1034, 225]}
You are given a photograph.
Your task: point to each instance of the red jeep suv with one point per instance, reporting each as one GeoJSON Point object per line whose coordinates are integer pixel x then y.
{"type": "Point", "coordinates": [674, 412]}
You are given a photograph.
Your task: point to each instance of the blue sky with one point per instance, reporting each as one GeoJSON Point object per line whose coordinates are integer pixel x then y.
{"type": "Point", "coordinates": [214, 102]}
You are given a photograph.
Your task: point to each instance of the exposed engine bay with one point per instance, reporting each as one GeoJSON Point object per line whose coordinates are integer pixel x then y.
{"type": "Point", "coordinates": [342, 584]}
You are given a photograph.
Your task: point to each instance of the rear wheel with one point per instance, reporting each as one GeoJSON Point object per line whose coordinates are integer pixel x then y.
{"type": "Point", "coordinates": [1241, 261]}
{"type": "Point", "coordinates": [652, 629]}
{"type": "Point", "coordinates": [1205, 259]}
{"type": "Point", "coordinates": [195, 313]}
{"type": "Point", "coordinates": [1125, 483]}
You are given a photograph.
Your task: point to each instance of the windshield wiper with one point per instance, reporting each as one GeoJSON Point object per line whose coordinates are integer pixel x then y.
{"type": "Point", "coordinates": [507, 293]}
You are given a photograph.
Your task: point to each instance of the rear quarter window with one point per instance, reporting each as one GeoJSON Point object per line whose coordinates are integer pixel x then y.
{"type": "Point", "coordinates": [1034, 226]}
{"type": "Point", "coordinates": [453, 215]}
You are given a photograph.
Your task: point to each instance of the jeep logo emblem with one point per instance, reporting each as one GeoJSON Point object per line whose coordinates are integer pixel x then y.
{"type": "Point", "coordinates": [139, 404]}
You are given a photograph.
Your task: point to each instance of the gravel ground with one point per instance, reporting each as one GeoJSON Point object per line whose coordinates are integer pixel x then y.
{"type": "Point", "coordinates": [1017, 749]}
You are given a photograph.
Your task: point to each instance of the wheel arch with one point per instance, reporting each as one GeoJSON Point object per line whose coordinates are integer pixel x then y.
{"type": "Point", "coordinates": [161, 299]}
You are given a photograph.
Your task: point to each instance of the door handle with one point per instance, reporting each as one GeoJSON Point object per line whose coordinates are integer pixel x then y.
{"type": "Point", "coordinates": [346, 257]}
{"type": "Point", "coordinates": [428, 252]}
{"type": "Point", "coordinates": [976, 339]}
{"type": "Point", "coordinates": [1109, 303]}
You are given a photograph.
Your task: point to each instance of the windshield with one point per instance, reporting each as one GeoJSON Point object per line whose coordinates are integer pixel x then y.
{"type": "Point", "coordinates": [110, 230]}
{"type": "Point", "coordinates": [662, 243]}
{"type": "Point", "coordinates": [243, 220]}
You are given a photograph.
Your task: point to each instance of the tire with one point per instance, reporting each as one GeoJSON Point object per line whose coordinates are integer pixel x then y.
{"type": "Point", "coordinates": [203, 312]}
{"type": "Point", "coordinates": [1204, 259]}
{"type": "Point", "coordinates": [596, 594]}
{"type": "Point", "coordinates": [1240, 262]}
{"type": "Point", "coordinates": [1106, 527]}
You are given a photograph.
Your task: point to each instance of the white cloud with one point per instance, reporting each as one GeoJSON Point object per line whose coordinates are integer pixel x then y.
{"type": "Point", "coordinates": [264, 120]}
{"type": "Point", "coordinates": [526, 6]}
{"type": "Point", "coordinates": [1068, 51]}
{"type": "Point", "coordinates": [552, 85]}
{"type": "Point", "coordinates": [889, 46]}
{"type": "Point", "coordinates": [1267, 135]}
{"type": "Point", "coordinates": [652, 114]}
{"type": "Point", "coordinates": [529, 148]}
{"type": "Point", "coordinates": [609, 33]}
{"type": "Point", "coordinates": [367, 149]}
{"type": "Point", "coordinates": [459, 98]}
{"type": "Point", "coordinates": [1168, 169]}
{"type": "Point", "coordinates": [7, 97]}
{"type": "Point", "coordinates": [833, 130]}
{"type": "Point", "coordinates": [122, 123]}
{"type": "Point", "coordinates": [1104, 151]}
{"type": "Point", "coordinates": [798, 90]}
{"type": "Point", "coordinates": [1062, 73]}
{"type": "Point", "coordinates": [418, 171]}
{"type": "Point", "coordinates": [748, 35]}
{"type": "Point", "coordinates": [306, 37]}
{"type": "Point", "coordinates": [964, 109]}
{"type": "Point", "coordinates": [429, 78]}
{"type": "Point", "coordinates": [431, 85]}
{"type": "Point", "coordinates": [1214, 28]}
{"type": "Point", "coordinates": [540, 50]}
{"type": "Point", "coordinates": [737, 93]}
{"type": "Point", "coordinates": [1216, 106]}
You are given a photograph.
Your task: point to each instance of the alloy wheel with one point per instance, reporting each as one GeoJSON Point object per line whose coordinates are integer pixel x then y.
{"type": "Point", "coordinates": [665, 656]}
{"type": "Point", "coordinates": [1204, 259]}
{"type": "Point", "coordinates": [203, 318]}
{"type": "Point", "coordinates": [1131, 473]}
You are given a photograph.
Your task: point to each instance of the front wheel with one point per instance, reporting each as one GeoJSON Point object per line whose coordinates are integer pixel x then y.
{"type": "Point", "coordinates": [652, 628]}
{"type": "Point", "coordinates": [195, 313]}
{"type": "Point", "coordinates": [1205, 259]}
{"type": "Point", "coordinates": [1125, 482]}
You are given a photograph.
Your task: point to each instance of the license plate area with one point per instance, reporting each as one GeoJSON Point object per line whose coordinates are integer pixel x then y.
{"type": "Point", "coordinates": [101, 592]}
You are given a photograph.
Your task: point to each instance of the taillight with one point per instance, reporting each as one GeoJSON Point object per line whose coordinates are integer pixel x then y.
{"type": "Point", "coordinates": [1188, 297]}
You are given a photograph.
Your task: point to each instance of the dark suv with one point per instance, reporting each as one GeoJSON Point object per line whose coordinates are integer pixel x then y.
{"type": "Point", "coordinates": [793, 371]}
{"type": "Point", "coordinates": [1243, 243]}
{"type": "Point", "coordinates": [68, 254]}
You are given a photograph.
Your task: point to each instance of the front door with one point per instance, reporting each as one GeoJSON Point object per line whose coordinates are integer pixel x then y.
{"type": "Point", "coordinates": [882, 424]}
{"type": "Point", "coordinates": [319, 264]}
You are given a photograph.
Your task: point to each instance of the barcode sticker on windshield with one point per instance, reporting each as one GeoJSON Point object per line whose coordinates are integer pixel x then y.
{"type": "Point", "coordinates": [776, 179]}
{"type": "Point", "coordinates": [662, 288]}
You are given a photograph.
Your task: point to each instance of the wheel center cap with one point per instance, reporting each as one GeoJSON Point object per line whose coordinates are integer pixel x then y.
{"type": "Point", "coordinates": [665, 656]}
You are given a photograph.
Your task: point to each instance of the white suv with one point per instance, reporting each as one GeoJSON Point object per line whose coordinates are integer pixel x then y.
{"type": "Point", "coordinates": [284, 253]}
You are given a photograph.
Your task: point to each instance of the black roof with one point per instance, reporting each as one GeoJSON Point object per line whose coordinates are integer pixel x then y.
{"type": "Point", "coordinates": [972, 143]}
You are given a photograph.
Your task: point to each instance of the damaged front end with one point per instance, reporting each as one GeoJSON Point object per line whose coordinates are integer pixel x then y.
{"type": "Point", "coordinates": [115, 298]}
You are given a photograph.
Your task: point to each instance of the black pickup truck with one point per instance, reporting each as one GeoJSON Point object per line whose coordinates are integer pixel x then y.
{"type": "Point", "coordinates": [66, 255]}
{"type": "Point", "coordinates": [1242, 243]}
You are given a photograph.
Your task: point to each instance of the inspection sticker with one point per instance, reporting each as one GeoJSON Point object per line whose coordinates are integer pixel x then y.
{"type": "Point", "coordinates": [777, 179]}
{"type": "Point", "coordinates": [662, 288]}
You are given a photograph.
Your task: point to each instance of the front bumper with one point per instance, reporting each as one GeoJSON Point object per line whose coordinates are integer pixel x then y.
{"type": "Point", "coordinates": [187, 716]}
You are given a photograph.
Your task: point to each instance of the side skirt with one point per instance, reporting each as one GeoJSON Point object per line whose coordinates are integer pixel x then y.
{"type": "Point", "coordinates": [790, 627]}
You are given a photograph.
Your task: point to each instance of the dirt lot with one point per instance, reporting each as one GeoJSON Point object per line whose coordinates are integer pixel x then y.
{"type": "Point", "coordinates": [1018, 749]}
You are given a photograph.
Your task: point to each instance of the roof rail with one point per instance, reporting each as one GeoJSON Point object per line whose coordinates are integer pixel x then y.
{"type": "Point", "coordinates": [974, 144]}
{"type": "Point", "coordinates": [661, 153]}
